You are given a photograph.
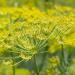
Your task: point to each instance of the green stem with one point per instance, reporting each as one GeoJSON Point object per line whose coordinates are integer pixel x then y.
{"type": "Point", "coordinates": [36, 67]}
{"type": "Point", "coordinates": [62, 59]}
{"type": "Point", "coordinates": [13, 68]}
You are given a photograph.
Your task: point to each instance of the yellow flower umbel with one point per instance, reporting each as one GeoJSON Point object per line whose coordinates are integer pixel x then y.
{"type": "Point", "coordinates": [55, 60]}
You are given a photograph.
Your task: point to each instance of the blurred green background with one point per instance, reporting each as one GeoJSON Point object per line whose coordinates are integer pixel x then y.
{"type": "Point", "coordinates": [37, 3]}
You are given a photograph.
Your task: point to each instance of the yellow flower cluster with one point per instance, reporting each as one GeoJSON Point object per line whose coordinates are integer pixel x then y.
{"type": "Point", "coordinates": [28, 28]}
{"type": "Point", "coordinates": [55, 60]}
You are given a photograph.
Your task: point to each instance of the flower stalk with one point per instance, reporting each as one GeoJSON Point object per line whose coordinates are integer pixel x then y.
{"type": "Point", "coordinates": [36, 67]}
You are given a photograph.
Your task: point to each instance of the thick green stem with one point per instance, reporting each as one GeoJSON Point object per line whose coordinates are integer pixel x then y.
{"type": "Point", "coordinates": [13, 68]}
{"type": "Point", "coordinates": [62, 59]}
{"type": "Point", "coordinates": [36, 67]}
